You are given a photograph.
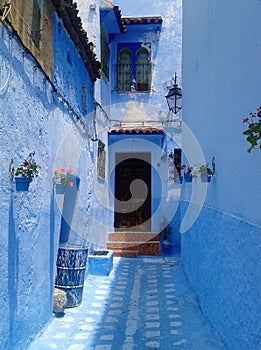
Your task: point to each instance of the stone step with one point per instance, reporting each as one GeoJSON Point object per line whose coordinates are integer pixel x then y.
{"type": "Point", "coordinates": [126, 245]}
{"type": "Point", "coordinates": [151, 248]}
{"type": "Point", "coordinates": [132, 244]}
{"type": "Point", "coordinates": [133, 236]}
{"type": "Point", "coordinates": [125, 253]}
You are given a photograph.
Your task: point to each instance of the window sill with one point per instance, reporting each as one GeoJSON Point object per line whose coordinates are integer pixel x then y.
{"type": "Point", "coordinates": [133, 91]}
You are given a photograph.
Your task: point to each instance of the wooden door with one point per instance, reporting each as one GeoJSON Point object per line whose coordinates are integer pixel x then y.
{"type": "Point", "coordinates": [132, 192]}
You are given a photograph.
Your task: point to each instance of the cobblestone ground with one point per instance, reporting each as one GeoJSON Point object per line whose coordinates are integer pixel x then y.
{"type": "Point", "coordinates": [144, 304]}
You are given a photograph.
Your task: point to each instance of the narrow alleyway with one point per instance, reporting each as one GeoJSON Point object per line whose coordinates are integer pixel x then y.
{"type": "Point", "coordinates": [144, 304]}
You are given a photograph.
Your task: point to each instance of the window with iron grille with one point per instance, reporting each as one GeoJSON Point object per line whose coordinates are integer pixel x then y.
{"type": "Point", "coordinates": [134, 69]}
{"type": "Point", "coordinates": [101, 159]}
{"type": "Point", "coordinates": [36, 23]}
{"type": "Point", "coordinates": [105, 54]}
{"type": "Point", "coordinates": [124, 70]}
{"type": "Point", "coordinates": [143, 70]}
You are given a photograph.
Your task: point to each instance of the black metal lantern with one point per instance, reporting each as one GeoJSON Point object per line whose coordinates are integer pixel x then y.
{"type": "Point", "coordinates": [174, 97]}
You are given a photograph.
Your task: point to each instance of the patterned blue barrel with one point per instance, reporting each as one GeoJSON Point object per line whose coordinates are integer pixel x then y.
{"type": "Point", "coordinates": [71, 266]}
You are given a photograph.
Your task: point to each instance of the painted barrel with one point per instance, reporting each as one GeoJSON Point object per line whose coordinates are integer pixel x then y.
{"type": "Point", "coordinates": [71, 266]}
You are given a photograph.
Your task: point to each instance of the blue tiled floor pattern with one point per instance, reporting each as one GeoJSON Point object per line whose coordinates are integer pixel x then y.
{"type": "Point", "coordinates": [145, 303]}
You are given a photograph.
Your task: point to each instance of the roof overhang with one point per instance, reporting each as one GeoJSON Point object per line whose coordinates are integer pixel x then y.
{"type": "Point", "coordinates": [110, 14]}
{"type": "Point", "coordinates": [68, 12]}
{"type": "Point", "coordinates": [135, 130]}
{"type": "Point", "coordinates": [149, 23]}
{"type": "Point", "coordinates": [142, 20]}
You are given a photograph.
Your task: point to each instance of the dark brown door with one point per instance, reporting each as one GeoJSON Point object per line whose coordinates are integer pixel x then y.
{"type": "Point", "coordinates": [133, 192]}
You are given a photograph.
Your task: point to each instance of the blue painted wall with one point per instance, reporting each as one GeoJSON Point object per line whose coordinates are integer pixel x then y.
{"type": "Point", "coordinates": [221, 84]}
{"type": "Point", "coordinates": [166, 58]}
{"type": "Point", "coordinates": [32, 117]}
{"type": "Point", "coordinates": [69, 72]}
{"type": "Point", "coordinates": [166, 49]}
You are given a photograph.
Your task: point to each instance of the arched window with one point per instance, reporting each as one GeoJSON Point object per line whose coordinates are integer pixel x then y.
{"type": "Point", "coordinates": [124, 70]}
{"type": "Point", "coordinates": [143, 70]}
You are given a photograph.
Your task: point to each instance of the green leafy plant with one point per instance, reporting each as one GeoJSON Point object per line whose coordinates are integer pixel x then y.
{"type": "Point", "coordinates": [28, 168]}
{"type": "Point", "coordinates": [61, 176]}
{"type": "Point", "coordinates": [253, 133]}
{"type": "Point", "coordinates": [204, 169]}
{"type": "Point", "coordinates": [180, 169]}
{"type": "Point", "coordinates": [187, 169]}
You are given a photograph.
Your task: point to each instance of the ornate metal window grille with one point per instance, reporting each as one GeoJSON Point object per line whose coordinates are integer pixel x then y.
{"type": "Point", "coordinates": [134, 76]}
{"type": "Point", "coordinates": [101, 159]}
{"type": "Point", "coordinates": [105, 54]}
{"type": "Point", "coordinates": [143, 70]}
{"type": "Point", "coordinates": [124, 70]}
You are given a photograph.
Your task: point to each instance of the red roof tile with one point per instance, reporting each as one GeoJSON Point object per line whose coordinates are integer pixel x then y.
{"type": "Point", "coordinates": [136, 130]}
{"type": "Point", "coordinates": [142, 20]}
{"type": "Point", "coordinates": [117, 12]}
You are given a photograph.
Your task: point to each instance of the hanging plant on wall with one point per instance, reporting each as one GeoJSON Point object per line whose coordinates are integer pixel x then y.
{"type": "Point", "coordinates": [25, 172]}
{"type": "Point", "coordinates": [62, 179]}
{"type": "Point", "coordinates": [253, 133]}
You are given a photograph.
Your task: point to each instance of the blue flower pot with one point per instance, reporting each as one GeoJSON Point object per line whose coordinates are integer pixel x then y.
{"type": "Point", "coordinates": [60, 188]}
{"type": "Point", "coordinates": [205, 178]}
{"type": "Point", "coordinates": [188, 177]}
{"type": "Point", "coordinates": [22, 183]}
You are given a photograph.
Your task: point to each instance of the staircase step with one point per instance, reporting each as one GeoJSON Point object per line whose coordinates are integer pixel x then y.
{"type": "Point", "coordinates": [133, 236]}
{"type": "Point", "coordinates": [125, 253]}
{"type": "Point", "coordinates": [123, 245]}
{"type": "Point", "coordinates": [151, 248]}
{"type": "Point", "coordinates": [132, 244]}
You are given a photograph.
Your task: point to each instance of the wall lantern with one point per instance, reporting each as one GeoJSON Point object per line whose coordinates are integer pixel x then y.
{"type": "Point", "coordinates": [174, 96]}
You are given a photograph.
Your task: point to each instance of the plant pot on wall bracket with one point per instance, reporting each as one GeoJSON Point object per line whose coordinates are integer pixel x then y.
{"type": "Point", "coordinates": [22, 183]}
{"type": "Point", "coordinates": [188, 177]}
{"type": "Point", "coordinates": [59, 188]}
{"type": "Point", "coordinates": [205, 178]}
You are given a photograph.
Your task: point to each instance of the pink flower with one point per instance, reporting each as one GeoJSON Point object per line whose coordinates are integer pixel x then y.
{"type": "Point", "coordinates": [69, 171]}
{"type": "Point", "coordinates": [70, 184]}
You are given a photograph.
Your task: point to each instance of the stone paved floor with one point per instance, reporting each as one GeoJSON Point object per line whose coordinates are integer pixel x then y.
{"type": "Point", "coordinates": [144, 304]}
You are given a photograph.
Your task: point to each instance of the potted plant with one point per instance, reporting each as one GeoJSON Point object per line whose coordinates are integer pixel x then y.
{"type": "Point", "coordinates": [253, 133]}
{"type": "Point", "coordinates": [62, 179]}
{"type": "Point", "coordinates": [206, 173]}
{"type": "Point", "coordinates": [180, 168]}
{"type": "Point", "coordinates": [25, 172]}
